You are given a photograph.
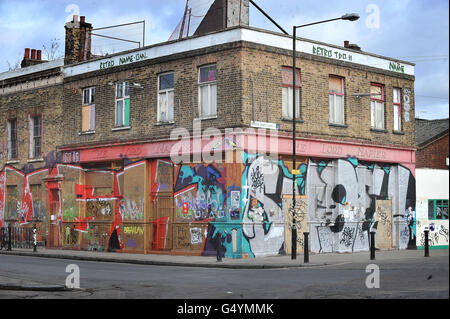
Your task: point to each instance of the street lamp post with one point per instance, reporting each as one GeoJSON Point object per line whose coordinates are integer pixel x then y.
{"type": "Point", "coordinates": [349, 17]}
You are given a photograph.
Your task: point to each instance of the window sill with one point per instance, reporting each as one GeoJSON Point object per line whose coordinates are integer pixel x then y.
{"type": "Point", "coordinates": [164, 123]}
{"type": "Point", "coordinates": [122, 128]}
{"type": "Point", "coordinates": [206, 118]}
{"type": "Point", "coordinates": [398, 132]}
{"type": "Point", "coordinates": [377, 130]}
{"type": "Point", "coordinates": [87, 133]}
{"type": "Point", "coordinates": [35, 160]}
{"type": "Point", "coordinates": [338, 125]}
{"type": "Point", "coordinates": [13, 162]}
{"type": "Point", "coordinates": [290, 120]}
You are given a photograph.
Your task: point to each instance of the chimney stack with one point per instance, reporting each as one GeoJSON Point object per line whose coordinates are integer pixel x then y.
{"type": "Point", "coordinates": [27, 53]}
{"type": "Point", "coordinates": [78, 41]}
{"type": "Point", "coordinates": [31, 57]}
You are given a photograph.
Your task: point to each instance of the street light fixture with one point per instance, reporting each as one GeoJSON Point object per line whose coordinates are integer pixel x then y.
{"type": "Point", "coordinates": [349, 17]}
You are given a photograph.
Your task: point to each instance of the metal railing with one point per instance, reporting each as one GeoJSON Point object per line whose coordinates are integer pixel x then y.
{"type": "Point", "coordinates": [16, 237]}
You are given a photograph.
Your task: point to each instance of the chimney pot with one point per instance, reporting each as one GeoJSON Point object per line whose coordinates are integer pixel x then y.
{"type": "Point", "coordinates": [75, 18]}
{"type": "Point", "coordinates": [33, 54]}
{"type": "Point", "coordinates": [346, 43]}
{"type": "Point", "coordinates": [27, 53]}
{"type": "Point", "coordinates": [82, 19]}
{"type": "Point", "coordinates": [39, 55]}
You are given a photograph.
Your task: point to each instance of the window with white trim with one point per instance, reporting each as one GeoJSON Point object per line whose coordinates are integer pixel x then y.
{"type": "Point", "coordinates": [165, 97]}
{"type": "Point", "coordinates": [12, 139]}
{"type": "Point", "coordinates": [377, 106]}
{"type": "Point", "coordinates": [207, 91]}
{"type": "Point", "coordinates": [397, 93]}
{"type": "Point", "coordinates": [336, 94]}
{"type": "Point", "coordinates": [88, 110]}
{"type": "Point", "coordinates": [287, 91]}
{"type": "Point", "coordinates": [122, 104]}
{"type": "Point", "coordinates": [35, 137]}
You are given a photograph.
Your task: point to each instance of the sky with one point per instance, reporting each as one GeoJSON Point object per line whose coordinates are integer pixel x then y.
{"type": "Point", "coordinates": [412, 30]}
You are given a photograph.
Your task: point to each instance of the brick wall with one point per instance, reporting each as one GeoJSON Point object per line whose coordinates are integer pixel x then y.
{"type": "Point", "coordinates": [143, 102]}
{"type": "Point", "coordinates": [22, 105]}
{"type": "Point", "coordinates": [434, 154]}
{"type": "Point", "coordinates": [262, 70]}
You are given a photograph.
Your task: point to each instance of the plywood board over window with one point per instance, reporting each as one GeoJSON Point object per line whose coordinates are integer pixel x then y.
{"type": "Point", "coordinates": [288, 91]}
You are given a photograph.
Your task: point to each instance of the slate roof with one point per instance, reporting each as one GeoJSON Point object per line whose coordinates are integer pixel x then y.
{"type": "Point", "coordinates": [427, 130]}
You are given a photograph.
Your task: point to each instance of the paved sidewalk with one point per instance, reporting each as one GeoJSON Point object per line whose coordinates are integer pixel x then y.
{"type": "Point", "coordinates": [285, 261]}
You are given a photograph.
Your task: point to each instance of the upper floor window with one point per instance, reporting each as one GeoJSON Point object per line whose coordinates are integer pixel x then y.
{"type": "Point", "coordinates": [165, 97]}
{"type": "Point", "coordinates": [122, 104]}
{"type": "Point", "coordinates": [438, 209]}
{"type": "Point", "coordinates": [88, 110]}
{"type": "Point", "coordinates": [12, 139]}
{"type": "Point", "coordinates": [207, 91]}
{"type": "Point", "coordinates": [35, 137]}
{"type": "Point", "coordinates": [397, 109]}
{"type": "Point", "coordinates": [336, 93]}
{"type": "Point", "coordinates": [377, 106]}
{"type": "Point", "coordinates": [287, 93]}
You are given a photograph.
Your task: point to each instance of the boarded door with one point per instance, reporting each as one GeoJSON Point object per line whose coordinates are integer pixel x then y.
{"type": "Point", "coordinates": [384, 226]}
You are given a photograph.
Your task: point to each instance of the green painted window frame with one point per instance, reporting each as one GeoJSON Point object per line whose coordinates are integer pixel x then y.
{"type": "Point", "coordinates": [438, 203]}
{"type": "Point", "coordinates": [122, 99]}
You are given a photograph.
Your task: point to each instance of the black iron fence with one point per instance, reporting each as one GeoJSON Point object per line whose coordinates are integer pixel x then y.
{"type": "Point", "coordinates": [16, 237]}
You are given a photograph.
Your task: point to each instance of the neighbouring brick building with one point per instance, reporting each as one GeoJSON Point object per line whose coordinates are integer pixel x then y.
{"type": "Point", "coordinates": [113, 181]}
{"type": "Point", "coordinates": [432, 181]}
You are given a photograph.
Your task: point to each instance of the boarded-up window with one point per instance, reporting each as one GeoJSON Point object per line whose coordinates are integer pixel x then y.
{"type": "Point", "coordinates": [207, 91]}
{"type": "Point", "coordinates": [336, 93]}
{"type": "Point", "coordinates": [397, 109]}
{"type": "Point", "coordinates": [377, 106]}
{"type": "Point", "coordinates": [123, 104]}
{"type": "Point", "coordinates": [88, 110]}
{"type": "Point", "coordinates": [166, 97]}
{"type": "Point", "coordinates": [287, 93]}
{"type": "Point", "coordinates": [35, 137]}
{"type": "Point", "coordinates": [12, 139]}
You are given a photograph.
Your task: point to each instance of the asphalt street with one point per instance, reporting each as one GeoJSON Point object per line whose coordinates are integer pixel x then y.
{"type": "Point", "coordinates": [399, 278]}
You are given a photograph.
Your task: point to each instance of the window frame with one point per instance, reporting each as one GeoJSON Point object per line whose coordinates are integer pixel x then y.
{"type": "Point", "coordinates": [442, 206]}
{"type": "Point", "coordinates": [397, 106]}
{"type": "Point", "coordinates": [10, 156]}
{"type": "Point", "coordinates": [33, 137]}
{"type": "Point", "coordinates": [91, 105]}
{"type": "Point", "coordinates": [125, 86]}
{"type": "Point", "coordinates": [208, 84]}
{"type": "Point", "coordinates": [373, 112]}
{"type": "Point", "coordinates": [167, 93]}
{"type": "Point", "coordinates": [290, 87]}
{"type": "Point", "coordinates": [333, 95]}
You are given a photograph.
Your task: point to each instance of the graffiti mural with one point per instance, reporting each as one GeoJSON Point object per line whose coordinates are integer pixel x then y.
{"type": "Point", "coordinates": [343, 196]}
{"type": "Point", "coordinates": [438, 234]}
{"type": "Point", "coordinates": [264, 181]}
